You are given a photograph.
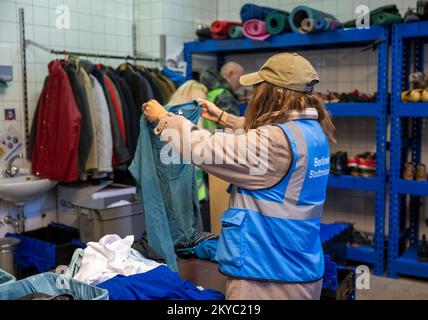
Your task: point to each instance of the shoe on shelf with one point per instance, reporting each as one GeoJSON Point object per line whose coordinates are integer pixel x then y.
{"type": "Point", "coordinates": [333, 97]}
{"type": "Point", "coordinates": [353, 168]}
{"type": "Point", "coordinates": [421, 172]}
{"type": "Point", "coordinates": [367, 165]}
{"type": "Point", "coordinates": [411, 16]}
{"type": "Point", "coordinates": [422, 9]}
{"type": "Point", "coordinates": [409, 172]}
{"type": "Point", "coordinates": [423, 250]}
{"type": "Point", "coordinates": [340, 166]}
{"type": "Point", "coordinates": [411, 95]}
{"type": "Point", "coordinates": [424, 95]}
{"type": "Point", "coordinates": [418, 80]}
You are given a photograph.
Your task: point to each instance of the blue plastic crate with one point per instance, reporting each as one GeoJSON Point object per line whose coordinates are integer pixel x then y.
{"type": "Point", "coordinates": [46, 248]}
{"type": "Point", "coordinates": [51, 284]}
{"type": "Point", "coordinates": [330, 231]}
{"type": "Point", "coordinates": [6, 278]}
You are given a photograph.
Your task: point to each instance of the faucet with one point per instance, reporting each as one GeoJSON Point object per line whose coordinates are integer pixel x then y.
{"type": "Point", "coordinates": [17, 223]}
{"type": "Point", "coordinates": [12, 170]}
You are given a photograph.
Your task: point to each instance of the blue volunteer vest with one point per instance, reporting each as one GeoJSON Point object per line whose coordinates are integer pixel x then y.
{"type": "Point", "coordinates": [273, 234]}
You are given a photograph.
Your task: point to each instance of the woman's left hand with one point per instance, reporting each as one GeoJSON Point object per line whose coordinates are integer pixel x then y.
{"type": "Point", "coordinates": [154, 111]}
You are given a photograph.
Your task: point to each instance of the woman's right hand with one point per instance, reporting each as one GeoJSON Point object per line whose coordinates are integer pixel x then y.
{"type": "Point", "coordinates": [209, 110]}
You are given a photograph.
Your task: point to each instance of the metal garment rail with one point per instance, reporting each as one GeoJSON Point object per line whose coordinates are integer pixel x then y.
{"type": "Point", "coordinates": [89, 54]}
{"type": "Point", "coordinates": [407, 53]}
{"type": "Point", "coordinates": [342, 38]}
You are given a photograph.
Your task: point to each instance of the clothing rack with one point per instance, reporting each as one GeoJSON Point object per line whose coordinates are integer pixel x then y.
{"type": "Point", "coordinates": [24, 43]}
{"type": "Point", "coordinates": [29, 42]}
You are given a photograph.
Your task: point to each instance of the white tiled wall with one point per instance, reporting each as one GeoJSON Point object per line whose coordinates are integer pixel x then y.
{"type": "Point", "coordinates": [177, 19]}
{"type": "Point", "coordinates": [100, 26]}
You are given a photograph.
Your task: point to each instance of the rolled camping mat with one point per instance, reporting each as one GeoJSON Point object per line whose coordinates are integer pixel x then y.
{"type": "Point", "coordinates": [203, 34]}
{"type": "Point", "coordinates": [307, 26]}
{"type": "Point", "coordinates": [386, 18]}
{"type": "Point", "coordinates": [324, 24]}
{"type": "Point", "coordinates": [256, 30]}
{"type": "Point", "coordinates": [301, 13]}
{"type": "Point", "coordinates": [220, 29]}
{"type": "Point", "coordinates": [252, 11]}
{"type": "Point", "coordinates": [277, 23]}
{"type": "Point", "coordinates": [236, 32]}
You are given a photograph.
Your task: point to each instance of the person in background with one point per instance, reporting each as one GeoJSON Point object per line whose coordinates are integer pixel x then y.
{"type": "Point", "coordinates": [270, 246]}
{"type": "Point", "coordinates": [223, 85]}
{"type": "Point", "coordinates": [188, 91]}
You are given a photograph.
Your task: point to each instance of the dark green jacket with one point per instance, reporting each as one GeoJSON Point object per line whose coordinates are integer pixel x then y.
{"type": "Point", "coordinates": [227, 100]}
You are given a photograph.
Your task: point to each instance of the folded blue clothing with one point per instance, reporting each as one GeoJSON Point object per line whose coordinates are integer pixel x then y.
{"type": "Point", "coordinates": [158, 284]}
{"type": "Point", "coordinates": [207, 250]}
{"type": "Point", "coordinates": [174, 76]}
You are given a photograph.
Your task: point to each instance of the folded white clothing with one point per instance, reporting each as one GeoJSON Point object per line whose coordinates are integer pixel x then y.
{"type": "Point", "coordinates": [109, 257]}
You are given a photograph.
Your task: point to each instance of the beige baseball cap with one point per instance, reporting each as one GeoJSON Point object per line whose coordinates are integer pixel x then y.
{"type": "Point", "coordinates": [286, 70]}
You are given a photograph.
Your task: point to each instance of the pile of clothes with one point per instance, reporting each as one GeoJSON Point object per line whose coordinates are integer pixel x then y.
{"type": "Point", "coordinates": [363, 165]}
{"type": "Point", "coordinates": [87, 119]}
{"type": "Point", "coordinates": [355, 96]}
{"type": "Point", "coordinates": [419, 93]}
{"type": "Point", "coordinates": [113, 265]}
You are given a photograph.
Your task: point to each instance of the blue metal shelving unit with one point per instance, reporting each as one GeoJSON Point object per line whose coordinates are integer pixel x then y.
{"type": "Point", "coordinates": [343, 38]}
{"type": "Point", "coordinates": [407, 51]}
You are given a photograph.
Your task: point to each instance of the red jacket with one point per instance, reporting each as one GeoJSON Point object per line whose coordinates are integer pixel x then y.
{"type": "Point", "coordinates": [55, 154]}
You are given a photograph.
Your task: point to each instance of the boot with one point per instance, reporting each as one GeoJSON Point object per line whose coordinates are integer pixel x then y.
{"type": "Point", "coordinates": [421, 172]}
{"type": "Point", "coordinates": [424, 95]}
{"type": "Point", "coordinates": [353, 168]}
{"type": "Point", "coordinates": [409, 172]}
{"type": "Point", "coordinates": [341, 165]}
{"type": "Point", "coordinates": [423, 250]}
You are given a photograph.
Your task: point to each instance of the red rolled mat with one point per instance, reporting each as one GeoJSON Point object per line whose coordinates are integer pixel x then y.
{"type": "Point", "coordinates": [220, 29]}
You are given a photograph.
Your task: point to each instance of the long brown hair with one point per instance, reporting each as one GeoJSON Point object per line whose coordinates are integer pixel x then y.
{"type": "Point", "coordinates": [272, 104]}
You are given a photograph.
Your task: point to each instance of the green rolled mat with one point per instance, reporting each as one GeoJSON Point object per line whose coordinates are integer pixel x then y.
{"type": "Point", "coordinates": [236, 32]}
{"type": "Point", "coordinates": [386, 18]}
{"type": "Point", "coordinates": [277, 23]}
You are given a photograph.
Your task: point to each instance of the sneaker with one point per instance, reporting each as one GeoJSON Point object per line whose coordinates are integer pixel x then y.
{"type": "Point", "coordinates": [409, 172]}
{"type": "Point", "coordinates": [423, 250]}
{"type": "Point", "coordinates": [421, 172]}
{"type": "Point", "coordinates": [353, 168]}
{"type": "Point", "coordinates": [367, 165]}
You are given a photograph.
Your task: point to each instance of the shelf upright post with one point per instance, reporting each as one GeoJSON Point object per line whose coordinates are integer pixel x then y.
{"type": "Point", "coordinates": [396, 152]}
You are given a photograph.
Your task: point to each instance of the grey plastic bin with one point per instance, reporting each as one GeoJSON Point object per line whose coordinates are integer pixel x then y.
{"type": "Point", "coordinates": [53, 285]}
{"type": "Point", "coordinates": [6, 278]}
{"type": "Point", "coordinates": [95, 223]}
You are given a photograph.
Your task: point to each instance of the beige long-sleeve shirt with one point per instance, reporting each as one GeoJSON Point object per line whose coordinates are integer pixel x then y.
{"type": "Point", "coordinates": [267, 147]}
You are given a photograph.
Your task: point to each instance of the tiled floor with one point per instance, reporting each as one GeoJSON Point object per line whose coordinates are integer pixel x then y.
{"type": "Point", "coordinates": [206, 274]}
{"type": "Point", "coordinates": [395, 289]}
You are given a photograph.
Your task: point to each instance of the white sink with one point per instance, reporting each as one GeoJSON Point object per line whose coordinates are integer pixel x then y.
{"type": "Point", "coordinates": [22, 188]}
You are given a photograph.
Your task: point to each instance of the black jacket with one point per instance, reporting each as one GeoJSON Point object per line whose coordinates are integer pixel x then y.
{"type": "Point", "coordinates": [86, 130]}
